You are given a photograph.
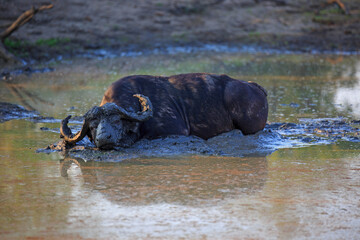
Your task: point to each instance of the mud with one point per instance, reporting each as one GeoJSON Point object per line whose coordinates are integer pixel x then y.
{"type": "Point", "coordinates": [8, 75]}
{"type": "Point", "coordinates": [10, 111]}
{"type": "Point", "coordinates": [231, 144]}
{"type": "Point", "coordinates": [319, 131]}
{"type": "Point", "coordinates": [73, 27]}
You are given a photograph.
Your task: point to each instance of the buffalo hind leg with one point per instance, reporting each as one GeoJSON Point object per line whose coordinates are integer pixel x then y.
{"type": "Point", "coordinates": [247, 105]}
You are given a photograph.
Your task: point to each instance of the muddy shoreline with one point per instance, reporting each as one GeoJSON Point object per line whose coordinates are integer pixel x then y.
{"type": "Point", "coordinates": [72, 28]}
{"type": "Point", "coordinates": [275, 136]}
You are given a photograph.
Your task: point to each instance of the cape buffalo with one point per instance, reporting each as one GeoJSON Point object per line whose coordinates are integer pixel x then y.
{"type": "Point", "coordinates": [144, 106]}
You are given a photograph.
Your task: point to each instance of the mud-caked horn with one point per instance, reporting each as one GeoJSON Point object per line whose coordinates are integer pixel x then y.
{"type": "Point", "coordinates": [66, 131]}
{"type": "Point", "coordinates": [67, 134]}
{"type": "Point", "coordinates": [146, 110]}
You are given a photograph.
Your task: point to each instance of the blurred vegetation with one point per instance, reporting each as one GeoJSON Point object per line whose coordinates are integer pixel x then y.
{"type": "Point", "coordinates": [14, 44]}
{"type": "Point", "coordinates": [52, 42]}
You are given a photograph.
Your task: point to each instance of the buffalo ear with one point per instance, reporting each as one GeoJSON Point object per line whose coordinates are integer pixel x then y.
{"type": "Point", "coordinates": [132, 126]}
{"type": "Point", "coordinates": [93, 112]}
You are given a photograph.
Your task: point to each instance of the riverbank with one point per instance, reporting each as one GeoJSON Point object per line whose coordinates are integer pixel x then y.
{"type": "Point", "coordinates": [73, 27]}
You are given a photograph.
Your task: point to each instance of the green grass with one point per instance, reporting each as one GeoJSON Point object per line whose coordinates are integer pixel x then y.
{"type": "Point", "coordinates": [51, 42]}
{"type": "Point", "coordinates": [254, 35]}
{"type": "Point", "coordinates": [178, 37]}
{"type": "Point", "coordinates": [13, 43]}
{"type": "Point", "coordinates": [331, 11]}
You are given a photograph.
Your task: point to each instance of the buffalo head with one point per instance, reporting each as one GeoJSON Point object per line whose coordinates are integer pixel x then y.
{"type": "Point", "coordinates": [110, 126]}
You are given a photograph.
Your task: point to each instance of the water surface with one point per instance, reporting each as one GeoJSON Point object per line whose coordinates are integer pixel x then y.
{"type": "Point", "coordinates": [298, 191]}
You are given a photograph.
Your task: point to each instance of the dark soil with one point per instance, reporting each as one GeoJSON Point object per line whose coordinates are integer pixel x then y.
{"type": "Point", "coordinates": [75, 26]}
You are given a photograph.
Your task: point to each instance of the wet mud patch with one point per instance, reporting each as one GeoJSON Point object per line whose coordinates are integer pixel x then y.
{"type": "Point", "coordinates": [275, 136]}
{"type": "Point", "coordinates": [8, 75]}
{"type": "Point", "coordinates": [9, 111]}
{"type": "Point", "coordinates": [231, 144]}
{"type": "Point", "coordinates": [319, 131]}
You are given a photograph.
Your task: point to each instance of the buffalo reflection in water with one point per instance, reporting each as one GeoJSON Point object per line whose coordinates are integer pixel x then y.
{"type": "Point", "coordinates": [183, 180]}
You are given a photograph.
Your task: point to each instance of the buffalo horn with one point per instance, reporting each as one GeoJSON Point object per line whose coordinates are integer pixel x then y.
{"type": "Point", "coordinates": [67, 134]}
{"type": "Point", "coordinates": [146, 110]}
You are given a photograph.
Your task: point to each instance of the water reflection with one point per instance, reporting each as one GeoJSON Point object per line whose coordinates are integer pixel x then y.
{"type": "Point", "coordinates": [291, 194]}
{"type": "Point", "coordinates": [190, 181]}
{"type": "Point", "coordinates": [347, 98]}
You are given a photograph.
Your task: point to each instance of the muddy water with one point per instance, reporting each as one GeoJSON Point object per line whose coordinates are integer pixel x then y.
{"type": "Point", "coordinates": [307, 190]}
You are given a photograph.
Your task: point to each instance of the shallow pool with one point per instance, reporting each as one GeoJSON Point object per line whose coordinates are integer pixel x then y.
{"type": "Point", "coordinates": [295, 191]}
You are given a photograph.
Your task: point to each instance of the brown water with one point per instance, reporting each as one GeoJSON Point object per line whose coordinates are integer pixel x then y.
{"type": "Point", "coordinates": [293, 193]}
